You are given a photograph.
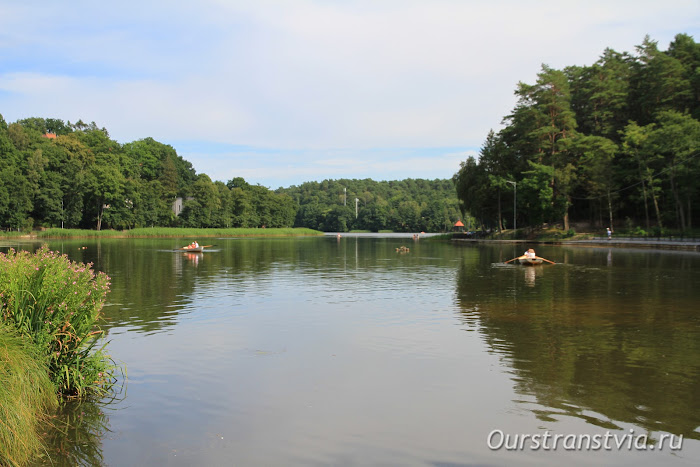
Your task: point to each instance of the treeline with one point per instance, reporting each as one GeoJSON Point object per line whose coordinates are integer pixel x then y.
{"type": "Point", "coordinates": [58, 174]}
{"type": "Point", "coordinates": [614, 143]}
{"type": "Point", "coordinates": [411, 205]}
{"type": "Point", "coordinates": [73, 175]}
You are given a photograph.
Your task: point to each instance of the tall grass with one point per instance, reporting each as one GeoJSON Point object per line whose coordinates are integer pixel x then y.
{"type": "Point", "coordinates": [71, 233]}
{"type": "Point", "coordinates": [12, 233]}
{"type": "Point", "coordinates": [444, 236]}
{"type": "Point", "coordinates": [177, 232]}
{"type": "Point", "coordinates": [27, 395]}
{"type": "Point", "coordinates": [56, 303]}
{"type": "Point", "coordinates": [237, 232]}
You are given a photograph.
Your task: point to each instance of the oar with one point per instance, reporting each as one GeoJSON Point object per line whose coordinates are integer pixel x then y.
{"type": "Point", "coordinates": [545, 259]}
{"type": "Point", "coordinates": [517, 257]}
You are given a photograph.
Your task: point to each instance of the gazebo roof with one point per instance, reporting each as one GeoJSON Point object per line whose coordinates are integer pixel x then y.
{"type": "Point", "coordinates": [459, 224]}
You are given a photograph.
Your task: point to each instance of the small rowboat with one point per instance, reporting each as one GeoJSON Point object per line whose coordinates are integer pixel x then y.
{"type": "Point", "coordinates": [530, 261]}
{"type": "Point", "coordinates": [197, 249]}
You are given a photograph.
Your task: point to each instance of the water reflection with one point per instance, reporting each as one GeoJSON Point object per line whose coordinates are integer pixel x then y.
{"type": "Point", "coordinates": [74, 435]}
{"type": "Point", "coordinates": [609, 346]}
{"type": "Point", "coordinates": [194, 257]}
{"type": "Point", "coordinates": [341, 351]}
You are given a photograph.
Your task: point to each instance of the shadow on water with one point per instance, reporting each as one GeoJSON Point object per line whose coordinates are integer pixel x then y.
{"type": "Point", "coordinates": [608, 338]}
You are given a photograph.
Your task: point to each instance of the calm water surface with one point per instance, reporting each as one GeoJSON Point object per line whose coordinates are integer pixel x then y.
{"type": "Point", "coordinates": [319, 351]}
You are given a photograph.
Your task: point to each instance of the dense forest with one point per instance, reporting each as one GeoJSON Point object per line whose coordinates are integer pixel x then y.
{"type": "Point", "coordinates": [59, 174]}
{"type": "Point", "coordinates": [611, 144]}
{"type": "Point", "coordinates": [411, 205]}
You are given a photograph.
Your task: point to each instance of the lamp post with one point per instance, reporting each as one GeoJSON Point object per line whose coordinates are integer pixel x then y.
{"type": "Point", "coordinates": [515, 197]}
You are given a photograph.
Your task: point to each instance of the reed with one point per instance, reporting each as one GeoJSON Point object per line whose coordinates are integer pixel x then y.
{"type": "Point", "coordinates": [79, 233]}
{"type": "Point", "coordinates": [444, 236]}
{"type": "Point", "coordinates": [27, 395]}
{"type": "Point", "coordinates": [176, 232]}
{"type": "Point", "coordinates": [57, 303]}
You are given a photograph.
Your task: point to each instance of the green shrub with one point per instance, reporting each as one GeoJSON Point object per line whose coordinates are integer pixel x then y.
{"type": "Point", "coordinates": [27, 395]}
{"type": "Point", "coordinates": [56, 303]}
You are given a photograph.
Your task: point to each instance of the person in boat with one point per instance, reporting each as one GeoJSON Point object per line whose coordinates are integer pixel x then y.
{"type": "Point", "coordinates": [530, 254]}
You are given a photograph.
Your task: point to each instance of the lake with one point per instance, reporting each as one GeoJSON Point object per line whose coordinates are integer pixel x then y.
{"type": "Point", "coordinates": [327, 351]}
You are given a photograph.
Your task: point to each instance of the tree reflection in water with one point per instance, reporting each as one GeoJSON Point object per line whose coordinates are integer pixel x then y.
{"type": "Point", "coordinates": [607, 345]}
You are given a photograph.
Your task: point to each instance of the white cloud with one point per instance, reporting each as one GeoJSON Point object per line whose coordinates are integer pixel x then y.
{"type": "Point", "coordinates": [308, 74]}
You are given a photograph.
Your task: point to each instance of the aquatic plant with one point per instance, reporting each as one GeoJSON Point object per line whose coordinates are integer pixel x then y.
{"type": "Point", "coordinates": [57, 304]}
{"type": "Point", "coordinates": [27, 395]}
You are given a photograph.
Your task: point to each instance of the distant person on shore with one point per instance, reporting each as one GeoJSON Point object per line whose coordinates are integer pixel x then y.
{"type": "Point", "coordinates": [609, 233]}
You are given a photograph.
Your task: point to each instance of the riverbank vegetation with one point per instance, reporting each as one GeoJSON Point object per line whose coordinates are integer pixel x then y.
{"type": "Point", "coordinates": [27, 396]}
{"type": "Point", "coordinates": [56, 303]}
{"type": "Point", "coordinates": [175, 232]}
{"type": "Point", "coordinates": [50, 343]}
{"type": "Point", "coordinates": [610, 144]}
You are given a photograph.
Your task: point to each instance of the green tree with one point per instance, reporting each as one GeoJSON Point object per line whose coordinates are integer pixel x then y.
{"type": "Point", "coordinates": [200, 211]}
{"type": "Point", "coordinates": [677, 138]}
{"type": "Point", "coordinates": [659, 82]}
{"type": "Point", "coordinates": [637, 147]}
{"type": "Point", "coordinates": [15, 198]}
{"type": "Point", "coordinates": [600, 94]}
{"type": "Point", "coordinates": [597, 164]}
{"type": "Point", "coordinates": [547, 105]}
{"type": "Point", "coordinates": [104, 184]}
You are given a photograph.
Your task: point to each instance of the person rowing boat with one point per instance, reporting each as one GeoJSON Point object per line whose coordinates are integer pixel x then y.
{"type": "Point", "coordinates": [530, 258]}
{"type": "Point", "coordinates": [194, 247]}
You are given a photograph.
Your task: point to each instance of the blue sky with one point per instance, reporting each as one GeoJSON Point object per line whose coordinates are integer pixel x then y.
{"type": "Point", "coordinates": [283, 92]}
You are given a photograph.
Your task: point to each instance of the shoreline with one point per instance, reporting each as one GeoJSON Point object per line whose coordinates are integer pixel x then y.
{"type": "Point", "coordinates": [163, 232]}
{"type": "Point", "coordinates": [687, 245]}
{"type": "Point", "coordinates": [628, 242]}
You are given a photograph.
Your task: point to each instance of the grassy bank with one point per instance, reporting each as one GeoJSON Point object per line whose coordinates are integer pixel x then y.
{"type": "Point", "coordinates": [169, 232]}
{"type": "Point", "coordinates": [50, 346]}
{"type": "Point", "coordinates": [56, 304]}
{"type": "Point", "coordinates": [27, 395]}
